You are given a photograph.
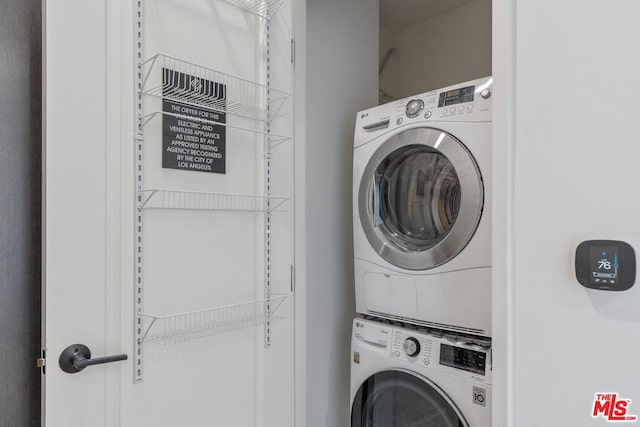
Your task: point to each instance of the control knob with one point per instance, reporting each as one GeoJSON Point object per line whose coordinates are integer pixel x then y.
{"type": "Point", "coordinates": [414, 107]}
{"type": "Point", "coordinates": [486, 94]}
{"type": "Point", "coordinates": [411, 346]}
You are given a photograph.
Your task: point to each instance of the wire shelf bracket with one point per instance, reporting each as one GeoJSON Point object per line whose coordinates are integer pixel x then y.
{"type": "Point", "coordinates": [263, 8]}
{"type": "Point", "coordinates": [204, 201]}
{"type": "Point", "coordinates": [176, 328]}
{"type": "Point", "coordinates": [275, 139]}
{"type": "Point", "coordinates": [238, 96]}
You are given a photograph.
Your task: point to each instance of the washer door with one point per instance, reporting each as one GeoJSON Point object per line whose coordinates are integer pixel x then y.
{"type": "Point", "coordinates": [399, 399]}
{"type": "Point", "coordinates": [420, 198]}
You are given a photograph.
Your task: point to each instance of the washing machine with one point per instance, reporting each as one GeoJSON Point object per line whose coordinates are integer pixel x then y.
{"type": "Point", "coordinates": [410, 377]}
{"type": "Point", "coordinates": [421, 203]}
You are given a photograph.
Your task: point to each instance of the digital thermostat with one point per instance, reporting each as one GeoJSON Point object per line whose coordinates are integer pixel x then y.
{"type": "Point", "coordinates": [608, 265]}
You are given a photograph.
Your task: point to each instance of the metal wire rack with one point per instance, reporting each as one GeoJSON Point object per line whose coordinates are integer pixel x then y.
{"type": "Point", "coordinates": [175, 328]}
{"type": "Point", "coordinates": [274, 139]}
{"type": "Point", "coordinates": [202, 87]}
{"type": "Point", "coordinates": [197, 200]}
{"type": "Point", "coordinates": [262, 8]}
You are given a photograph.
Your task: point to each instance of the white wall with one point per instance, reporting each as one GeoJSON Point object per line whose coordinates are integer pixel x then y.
{"type": "Point", "coordinates": [503, 53]}
{"type": "Point", "coordinates": [450, 48]}
{"type": "Point", "coordinates": [577, 74]}
{"type": "Point", "coordinates": [341, 79]}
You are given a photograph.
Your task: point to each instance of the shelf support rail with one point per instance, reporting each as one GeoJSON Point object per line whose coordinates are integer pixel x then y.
{"type": "Point", "coordinates": [138, 186]}
{"type": "Point", "coordinates": [267, 190]}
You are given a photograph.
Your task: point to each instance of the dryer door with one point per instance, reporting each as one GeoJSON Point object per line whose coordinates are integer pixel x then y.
{"type": "Point", "coordinates": [420, 199]}
{"type": "Point", "coordinates": [400, 399]}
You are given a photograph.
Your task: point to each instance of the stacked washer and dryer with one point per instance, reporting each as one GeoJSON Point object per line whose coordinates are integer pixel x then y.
{"type": "Point", "coordinates": [422, 246]}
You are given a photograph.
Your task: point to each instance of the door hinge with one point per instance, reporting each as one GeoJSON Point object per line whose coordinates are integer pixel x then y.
{"type": "Point", "coordinates": [293, 51]}
{"type": "Point", "coordinates": [41, 362]}
{"type": "Point", "coordinates": [293, 279]}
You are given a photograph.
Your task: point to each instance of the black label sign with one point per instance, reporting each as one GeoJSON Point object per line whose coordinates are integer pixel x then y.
{"type": "Point", "coordinates": [193, 137]}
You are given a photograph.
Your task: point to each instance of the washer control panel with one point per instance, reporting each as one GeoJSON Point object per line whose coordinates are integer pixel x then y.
{"type": "Point", "coordinates": [445, 352]}
{"type": "Point", "coordinates": [411, 347]}
{"type": "Point", "coordinates": [474, 361]}
{"type": "Point", "coordinates": [421, 349]}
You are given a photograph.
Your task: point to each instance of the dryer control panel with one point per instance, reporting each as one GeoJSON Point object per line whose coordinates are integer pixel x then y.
{"type": "Point", "coordinates": [468, 101]}
{"type": "Point", "coordinates": [465, 102]}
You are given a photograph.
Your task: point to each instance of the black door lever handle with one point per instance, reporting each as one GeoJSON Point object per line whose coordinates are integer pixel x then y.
{"type": "Point", "coordinates": [76, 357]}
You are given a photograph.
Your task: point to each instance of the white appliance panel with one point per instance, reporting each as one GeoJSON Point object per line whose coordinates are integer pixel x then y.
{"type": "Point", "coordinates": [467, 392]}
{"type": "Point", "coordinates": [456, 294]}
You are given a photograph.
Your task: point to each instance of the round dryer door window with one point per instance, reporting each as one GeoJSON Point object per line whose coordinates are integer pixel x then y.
{"type": "Point", "coordinates": [400, 399]}
{"type": "Point", "coordinates": [420, 198]}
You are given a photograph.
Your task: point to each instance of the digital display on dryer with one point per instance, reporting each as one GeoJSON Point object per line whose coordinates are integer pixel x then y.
{"type": "Point", "coordinates": [462, 358]}
{"type": "Point", "coordinates": [457, 96]}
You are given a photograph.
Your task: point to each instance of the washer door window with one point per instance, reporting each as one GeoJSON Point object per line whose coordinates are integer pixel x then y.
{"type": "Point", "coordinates": [399, 399]}
{"type": "Point", "coordinates": [420, 198]}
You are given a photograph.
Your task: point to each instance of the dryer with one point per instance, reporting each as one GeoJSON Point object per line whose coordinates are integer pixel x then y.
{"type": "Point", "coordinates": [410, 377]}
{"type": "Point", "coordinates": [422, 221]}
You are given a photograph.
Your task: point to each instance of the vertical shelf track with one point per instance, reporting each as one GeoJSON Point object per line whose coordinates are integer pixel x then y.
{"type": "Point", "coordinates": [267, 192]}
{"type": "Point", "coordinates": [139, 186]}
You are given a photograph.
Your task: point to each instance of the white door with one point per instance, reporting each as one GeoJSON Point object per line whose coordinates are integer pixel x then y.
{"type": "Point", "coordinates": [198, 264]}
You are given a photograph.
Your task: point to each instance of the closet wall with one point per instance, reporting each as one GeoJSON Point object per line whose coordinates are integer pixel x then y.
{"type": "Point", "coordinates": [444, 49]}
{"type": "Point", "coordinates": [341, 79]}
{"type": "Point", "coordinates": [340, 59]}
